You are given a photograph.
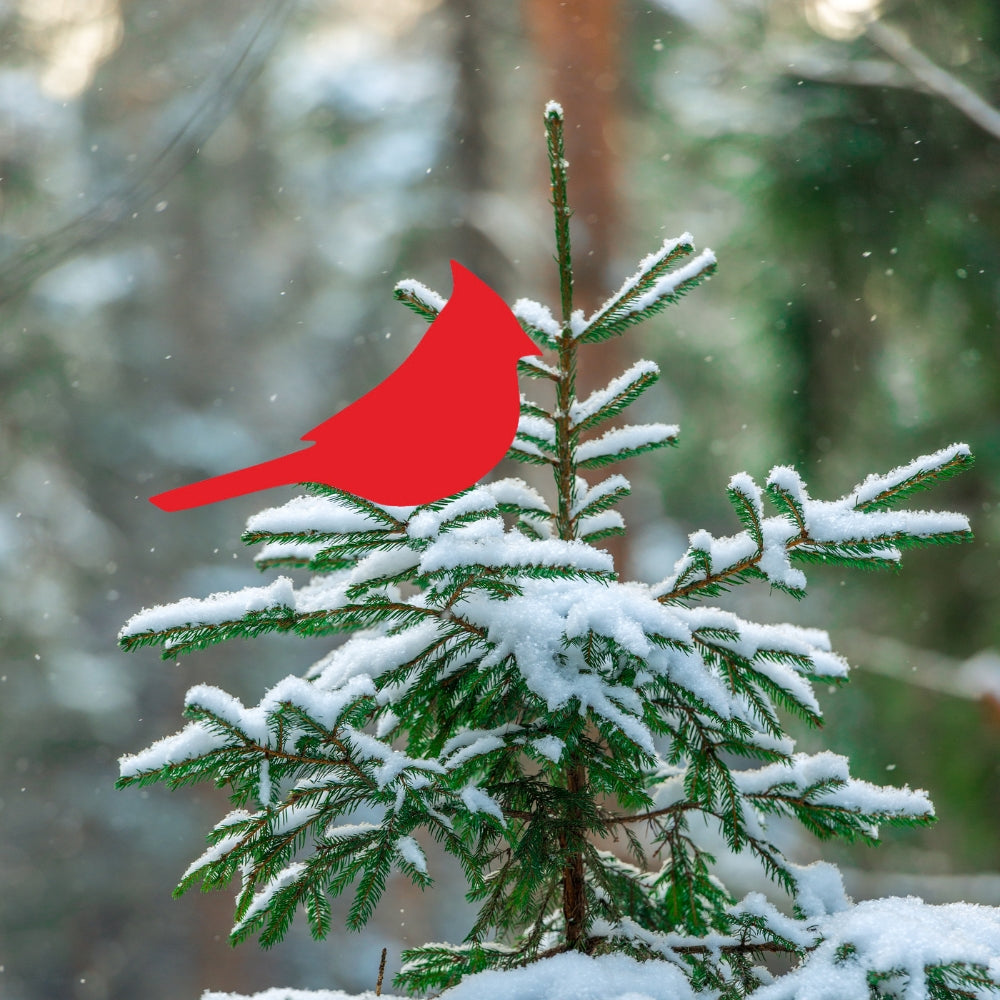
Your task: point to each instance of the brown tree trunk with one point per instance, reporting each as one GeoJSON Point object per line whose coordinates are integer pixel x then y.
{"type": "Point", "coordinates": [574, 885]}
{"type": "Point", "coordinates": [471, 153]}
{"type": "Point", "coordinates": [577, 42]}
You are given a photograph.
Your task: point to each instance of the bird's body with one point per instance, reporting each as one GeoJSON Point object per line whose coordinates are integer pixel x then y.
{"type": "Point", "coordinates": [435, 426]}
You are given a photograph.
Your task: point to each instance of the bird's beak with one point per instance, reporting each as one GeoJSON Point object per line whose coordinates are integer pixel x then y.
{"type": "Point", "coordinates": [503, 319]}
{"type": "Point", "coordinates": [529, 346]}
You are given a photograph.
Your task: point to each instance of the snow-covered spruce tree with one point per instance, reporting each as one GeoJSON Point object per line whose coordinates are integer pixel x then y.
{"type": "Point", "coordinates": [503, 693]}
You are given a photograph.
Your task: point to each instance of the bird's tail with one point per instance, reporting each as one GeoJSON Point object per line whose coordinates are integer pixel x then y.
{"type": "Point", "coordinates": [284, 471]}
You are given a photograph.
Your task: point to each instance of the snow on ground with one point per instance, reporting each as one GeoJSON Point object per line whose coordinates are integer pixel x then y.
{"type": "Point", "coordinates": [562, 977]}
{"type": "Point", "coordinates": [891, 934]}
{"type": "Point", "coordinates": [279, 993]}
{"type": "Point", "coordinates": [881, 935]}
{"type": "Point", "coordinates": [906, 935]}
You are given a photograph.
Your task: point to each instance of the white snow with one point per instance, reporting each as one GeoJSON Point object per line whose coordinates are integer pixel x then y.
{"type": "Point", "coordinates": [290, 550]}
{"type": "Point", "coordinates": [527, 447]}
{"type": "Point", "coordinates": [427, 523]}
{"type": "Point", "coordinates": [347, 831]}
{"type": "Point", "coordinates": [788, 480]}
{"type": "Point", "coordinates": [394, 762]}
{"type": "Point", "coordinates": [838, 521]}
{"type": "Point", "coordinates": [324, 591]}
{"type": "Point", "coordinates": [604, 521]}
{"type": "Point", "coordinates": [756, 904]}
{"type": "Point", "coordinates": [387, 722]}
{"type": "Point", "coordinates": [620, 439]}
{"type": "Point", "coordinates": [325, 706]}
{"type": "Point", "coordinates": [516, 491]}
{"type": "Point", "coordinates": [476, 800]}
{"type": "Point", "coordinates": [733, 550]}
{"type": "Point", "coordinates": [744, 484]}
{"type": "Point", "coordinates": [262, 898]}
{"type": "Point", "coordinates": [194, 740]}
{"type": "Point", "coordinates": [875, 485]}
{"type": "Point", "coordinates": [577, 322]}
{"type": "Point", "coordinates": [723, 552]}
{"type": "Point", "coordinates": [549, 746]}
{"type": "Point", "coordinates": [669, 789]}
{"type": "Point", "coordinates": [384, 564]}
{"type": "Point", "coordinates": [775, 562]}
{"type": "Point", "coordinates": [370, 653]}
{"type": "Point", "coordinates": [854, 795]}
{"type": "Point", "coordinates": [890, 934]}
{"type": "Point", "coordinates": [572, 976]}
{"type": "Point", "coordinates": [834, 524]}
{"type": "Point", "coordinates": [422, 293]}
{"type": "Point", "coordinates": [535, 362]}
{"type": "Point", "coordinates": [470, 737]}
{"type": "Point", "coordinates": [671, 281]}
{"type": "Point", "coordinates": [409, 850]}
{"type": "Point", "coordinates": [485, 744]}
{"type": "Point", "coordinates": [645, 265]}
{"type": "Point", "coordinates": [664, 943]}
{"type": "Point", "coordinates": [229, 709]}
{"type": "Point", "coordinates": [486, 543]}
{"type": "Point", "coordinates": [308, 514]}
{"type": "Point", "coordinates": [580, 411]}
{"type": "Point", "coordinates": [214, 853]}
{"type": "Point", "coordinates": [584, 495]}
{"type": "Point", "coordinates": [569, 976]}
{"type": "Point", "coordinates": [819, 889]}
{"type": "Point", "coordinates": [199, 738]}
{"type": "Point", "coordinates": [533, 627]}
{"type": "Point", "coordinates": [536, 427]}
{"type": "Point", "coordinates": [826, 525]}
{"type": "Point", "coordinates": [539, 316]}
{"type": "Point", "coordinates": [293, 817]}
{"type": "Point", "coordinates": [282, 993]}
{"type": "Point", "coordinates": [894, 935]}
{"type": "Point", "coordinates": [752, 638]}
{"type": "Point", "coordinates": [213, 610]}
{"type": "Point", "coordinates": [553, 108]}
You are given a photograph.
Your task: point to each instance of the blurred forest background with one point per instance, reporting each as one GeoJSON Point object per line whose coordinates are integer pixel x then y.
{"type": "Point", "coordinates": [203, 211]}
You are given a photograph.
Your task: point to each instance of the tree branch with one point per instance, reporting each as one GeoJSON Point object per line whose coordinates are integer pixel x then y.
{"type": "Point", "coordinates": [643, 817]}
{"type": "Point", "coordinates": [895, 43]}
{"type": "Point", "coordinates": [34, 257]}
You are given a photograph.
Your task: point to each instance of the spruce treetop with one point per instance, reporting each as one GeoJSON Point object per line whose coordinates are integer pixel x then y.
{"type": "Point", "coordinates": [499, 690]}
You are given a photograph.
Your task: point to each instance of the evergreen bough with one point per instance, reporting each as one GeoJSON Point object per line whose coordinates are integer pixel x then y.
{"type": "Point", "coordinates": [503, 693]}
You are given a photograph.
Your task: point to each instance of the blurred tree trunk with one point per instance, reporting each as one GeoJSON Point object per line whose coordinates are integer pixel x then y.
{"type": "Point", "coordinates": [471, 152]}
{"type": "Point", "coordinates": [578, 44]}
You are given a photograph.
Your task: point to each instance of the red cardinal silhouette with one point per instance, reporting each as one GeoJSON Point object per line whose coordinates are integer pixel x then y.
{"type": "Point", "coordinates": [433, 427]}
